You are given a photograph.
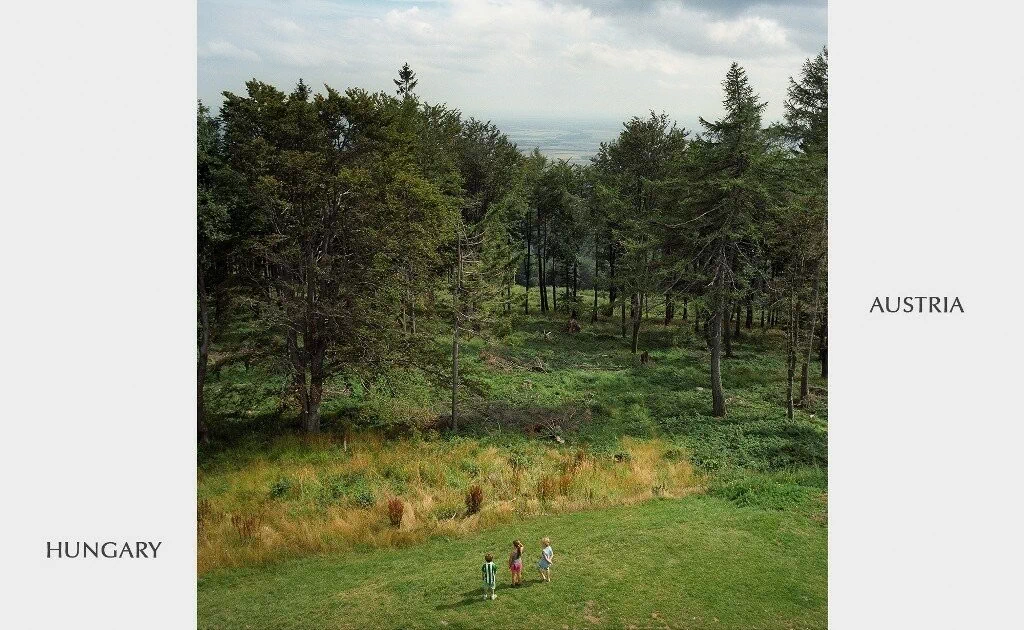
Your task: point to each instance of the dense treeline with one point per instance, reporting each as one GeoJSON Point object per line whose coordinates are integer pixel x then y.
{"type": "Point", "coordinates": [338, 219]}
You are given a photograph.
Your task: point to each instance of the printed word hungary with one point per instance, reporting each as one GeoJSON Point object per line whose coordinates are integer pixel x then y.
{"type": "Point", "coordinates": [918, 304]}
{"type": "Point", "coordinates": [109, 549]}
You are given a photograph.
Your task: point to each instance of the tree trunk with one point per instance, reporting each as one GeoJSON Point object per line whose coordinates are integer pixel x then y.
{"type": "Point", "coordinates": [541, 280]}
{"type": "Point", "coordinates": [554, 285]}
{"type": "Point", "coordinates": [750, 314]}
{"type": "Point", "coordinates": [804, 386]}
{"type": "Point", "coordinates": [623, 311]}
{"type": "Point", "coordinates": [526, 304]}
{"type": "Point", "coordinates": [725, 320]}
{"type": "Point", "coordinates": [612, 289]}
{"type": "Point", "coordinates": [316, 393]}
{"type": "Point", "coordinates": [634, 310]}
{"type": "Point", "coordinates": [790, 368]}
{"type": "Point", "coordinates": [823, 349]}
{"type": "Point", "coordinates": [715, 338]}
{"type": "Point", "coordinates": [794, 341]}
{"type": "Point", "coordinates": [593, 314]}
{"type": "Point", "coordinates": [307, 360]}
{"type": "Point", "coordinates": [670, 309]}
{"type": "Point", "coordinates": [202, 431]}
{"type": "Point", "coordinates": [685, 313]}
{"type": "Point", "coordinates": [456, 286]}
{"type": "Point", "coordinates": [575, 277]}
{"type": "Point", "coordinates": [762, 319]}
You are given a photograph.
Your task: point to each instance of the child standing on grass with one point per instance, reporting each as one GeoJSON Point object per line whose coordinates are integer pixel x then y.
{"type": "Point", "coordinates": [490, 573]}
{"type": "Point", "coordinates": [547, 556]}
{"type": "Point", "coordinates": [515, 563]}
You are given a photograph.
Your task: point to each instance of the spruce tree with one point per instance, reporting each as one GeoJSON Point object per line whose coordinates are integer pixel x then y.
{"type": "Point", "coordinates": [734, 170]}
{"type": "Point", "coordinates": [406, 81]}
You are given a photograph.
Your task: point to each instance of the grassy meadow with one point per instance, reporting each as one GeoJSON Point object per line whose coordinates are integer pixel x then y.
{"type": "Point", "coordinates": [660, 515]}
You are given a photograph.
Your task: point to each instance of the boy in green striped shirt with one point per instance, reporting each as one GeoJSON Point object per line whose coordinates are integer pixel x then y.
{"type": "Point", "coordinates": [490, 573]}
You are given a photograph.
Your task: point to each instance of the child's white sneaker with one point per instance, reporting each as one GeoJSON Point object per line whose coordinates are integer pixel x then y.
{"type": "Point", "coordinates": [493, 596]}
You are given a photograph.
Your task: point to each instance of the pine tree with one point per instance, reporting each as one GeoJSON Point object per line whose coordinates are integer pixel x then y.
{"type": "Point", "coordinates": [340, 209]}
{"type": "Point", "coordinates": [806, 128]}
{"type": "Point", "coordinates": [633, 167]}
{"type": "Point", "coordinates": [406, 81]}
{"type": "Point", "coordinates": [734, 171]}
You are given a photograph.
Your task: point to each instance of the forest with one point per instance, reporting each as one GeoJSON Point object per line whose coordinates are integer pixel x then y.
{"type": "Point", "coordinates": [338, 218]}
{"type": "Point", "coordinates": [411, 330]}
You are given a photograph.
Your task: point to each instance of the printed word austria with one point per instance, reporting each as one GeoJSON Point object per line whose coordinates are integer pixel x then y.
{"type": "Point", "coordinates": [918, 304]}
{"type": "Point", "coordinates": [96, 549]}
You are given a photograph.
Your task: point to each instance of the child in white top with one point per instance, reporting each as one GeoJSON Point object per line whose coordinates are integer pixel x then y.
{"type": "Point", "coordinates": [547, 557]}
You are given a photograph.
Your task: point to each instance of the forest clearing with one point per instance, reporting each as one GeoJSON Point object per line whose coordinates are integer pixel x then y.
{"type": "Point", "coordinates": [416, 341]}
{"type": "Point", "coordinates": [641, 482]}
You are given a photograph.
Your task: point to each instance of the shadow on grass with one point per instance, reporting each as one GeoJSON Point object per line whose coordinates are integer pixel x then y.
{"type": "Point", "coordinates": [476, 595]}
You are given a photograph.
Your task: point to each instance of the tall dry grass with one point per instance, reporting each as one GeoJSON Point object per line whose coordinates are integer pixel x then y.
{"type": "Point", "coordinates": [313, 496]}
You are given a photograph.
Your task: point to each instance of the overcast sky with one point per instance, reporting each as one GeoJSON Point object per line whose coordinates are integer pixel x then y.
{"type": "Point", "coordinates": [600, 59]}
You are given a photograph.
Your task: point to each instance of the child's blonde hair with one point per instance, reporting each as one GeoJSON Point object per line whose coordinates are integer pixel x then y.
{"type": "Point", "coordinates": [546, 541]}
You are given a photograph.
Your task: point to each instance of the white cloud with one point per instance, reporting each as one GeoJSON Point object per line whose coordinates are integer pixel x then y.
{"type": "Point", "coordinates": [285, 26]}
{"type": "Point", "coordinates": [632, 59]}
{"type": "Point", "coordinates": [504, 57]}
{"type": "Point", "coordinates": [755, 30]}
{"type": "Point", "coordinates": [226, 50]}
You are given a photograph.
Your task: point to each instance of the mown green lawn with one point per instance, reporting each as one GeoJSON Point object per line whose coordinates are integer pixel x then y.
{"type": "Point", "coordinates": [749, 554]}
{"type": "Point", "coordinates": [745, 556]}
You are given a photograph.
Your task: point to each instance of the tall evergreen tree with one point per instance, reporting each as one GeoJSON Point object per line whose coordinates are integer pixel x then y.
{"type": "Point", "coordinates": [634, 166]}
{"type": "Point", "coordinates": [806, 127]}
{"type": "Point", "coordinates": [343, 207]}
{"type": "Point", "coordinates": [406, 81]}
{"type": "Point", "coordinates": [213, 223]}
{"type": "Point", "coordinates": [734, 174]}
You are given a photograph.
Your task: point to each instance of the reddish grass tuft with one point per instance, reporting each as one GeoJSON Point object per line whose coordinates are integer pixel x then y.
{"type": "Point", "coordinates": [247, 525]}
{"type": "Point", "coordinates": [395, 510]}
{"type": "Point", "coordinates": [474, 499]}
{"type": "Point", "coordinates": [547, 487]}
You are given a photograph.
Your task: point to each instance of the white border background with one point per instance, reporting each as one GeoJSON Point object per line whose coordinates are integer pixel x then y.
{"type": "Point", "coordinates": [98, 244]}
{"type": "Point", "coordinates": [925, 411]}
{"type": "Point", "coordinates": [97, 248]}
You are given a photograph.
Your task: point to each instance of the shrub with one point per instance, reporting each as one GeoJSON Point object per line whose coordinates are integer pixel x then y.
{"type": "Point", "coordinates": [474, 499]}
{"type": "Point", "coordinates": [444, 512]}
{"type": "Point", "coordinates": [768, 492]}
{"type": "Point", "coordinates": [519, 460]}
{"type": "Point", "coordinates": [395, 510]}
{"type": "Point", "coordinates": [395, 475]}
{"type": "Point", "coordinates": [280, 487]}
{"type": "Point", "coordinates": [470, 467]}
{"type": "Point", "coordinates": [364, 497]}
{"type": "Point", "coordinates": [675, 454]}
